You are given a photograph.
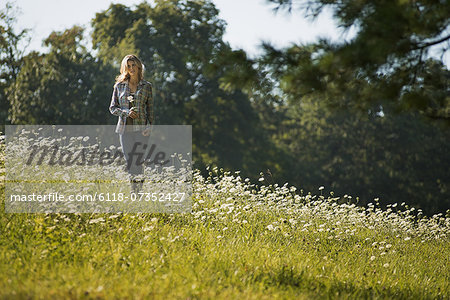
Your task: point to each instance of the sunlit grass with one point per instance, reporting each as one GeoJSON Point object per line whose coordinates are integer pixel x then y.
{"type": "Point", "coordinates": [240, 241]}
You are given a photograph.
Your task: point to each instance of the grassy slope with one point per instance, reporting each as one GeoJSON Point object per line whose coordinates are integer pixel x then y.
{"type": "Point", "coordinates": [236, 244]}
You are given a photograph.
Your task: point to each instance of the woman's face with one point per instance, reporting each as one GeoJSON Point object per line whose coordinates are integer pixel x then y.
{"type": "Point", "coordinates": [132, 68]}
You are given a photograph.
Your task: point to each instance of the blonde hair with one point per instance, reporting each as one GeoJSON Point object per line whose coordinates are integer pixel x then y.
{"type": "Point", "coordinates": [124, 75]}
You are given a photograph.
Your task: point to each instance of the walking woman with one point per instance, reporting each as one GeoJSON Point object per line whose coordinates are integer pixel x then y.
{"type": "Point", "coordinates": [132, 102]}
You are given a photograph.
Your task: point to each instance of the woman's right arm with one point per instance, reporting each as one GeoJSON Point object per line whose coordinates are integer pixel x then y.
{"type": "Point", "coordinates": [114, 107]}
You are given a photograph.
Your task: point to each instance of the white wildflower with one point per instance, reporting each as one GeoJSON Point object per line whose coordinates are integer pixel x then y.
{"type": "Point", "coordinates": [94, 221]}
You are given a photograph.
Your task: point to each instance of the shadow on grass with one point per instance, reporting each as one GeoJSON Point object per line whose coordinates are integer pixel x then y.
{"type": "Point", "coordinates": [325, 287]}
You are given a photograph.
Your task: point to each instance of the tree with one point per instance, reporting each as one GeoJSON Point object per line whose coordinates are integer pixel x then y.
{"type": "Point", "coordinates": [387, 61]}
{"type": "Point", "coordinates": [348, 127]}
{"type": "Point", "coordinates": [395, 157]}
{"type": "Point", "coordinates": [65, 86]}
{"type": "Point", "coordinates": [12, 48]}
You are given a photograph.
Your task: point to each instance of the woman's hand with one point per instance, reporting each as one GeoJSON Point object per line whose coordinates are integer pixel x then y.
{"type": "Point", "coordinates": [133, 114]}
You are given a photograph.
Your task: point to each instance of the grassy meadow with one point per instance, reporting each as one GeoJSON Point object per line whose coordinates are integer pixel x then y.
{"type": "Point", "coordinates": [241, 241]}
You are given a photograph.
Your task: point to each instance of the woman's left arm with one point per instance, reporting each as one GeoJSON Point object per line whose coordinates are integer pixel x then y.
{"type": "Point", "coordinates": [149, 103]}
{"type": "Point", "coordinates": [148, 108]}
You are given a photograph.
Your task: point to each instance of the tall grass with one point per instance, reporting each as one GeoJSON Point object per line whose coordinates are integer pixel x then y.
{"type": "Point", "coordinates": [239, 241]}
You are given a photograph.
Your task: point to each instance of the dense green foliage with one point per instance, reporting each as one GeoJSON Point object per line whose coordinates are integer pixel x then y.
{"type": "Point", "coordinates": [395, 157]}
{"type": "Point", "coordinates": [11, 54]}
{"type": "Point", "coordinates": [387, 61]}
{"type": "Point", "coordinates": [311, 115]}
{"type": "Point", "coordinates": [62, 86]}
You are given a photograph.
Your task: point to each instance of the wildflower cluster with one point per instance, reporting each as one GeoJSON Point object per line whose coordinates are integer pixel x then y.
{"type": "Point", "coordinates": [227, 197]}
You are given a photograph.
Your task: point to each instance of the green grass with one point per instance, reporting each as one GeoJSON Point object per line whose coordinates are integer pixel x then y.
{"type": "Point", "coordinates": [240, 242]}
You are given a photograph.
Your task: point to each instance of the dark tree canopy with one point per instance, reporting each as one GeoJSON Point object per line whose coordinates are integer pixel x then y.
{"type": "Point", "coordinates": [12, 48]}
{"type": "Point", "coordinates": [63, 86]}
{"type": "Point", "coordinates": [387, 61]}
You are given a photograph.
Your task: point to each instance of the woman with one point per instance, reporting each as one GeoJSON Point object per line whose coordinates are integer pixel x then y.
{"type": "Point", "coordinates": [132, 102]}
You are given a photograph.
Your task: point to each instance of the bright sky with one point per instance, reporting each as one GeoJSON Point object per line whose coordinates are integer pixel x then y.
{"type": "Point", "coordinates": [249, 22]}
